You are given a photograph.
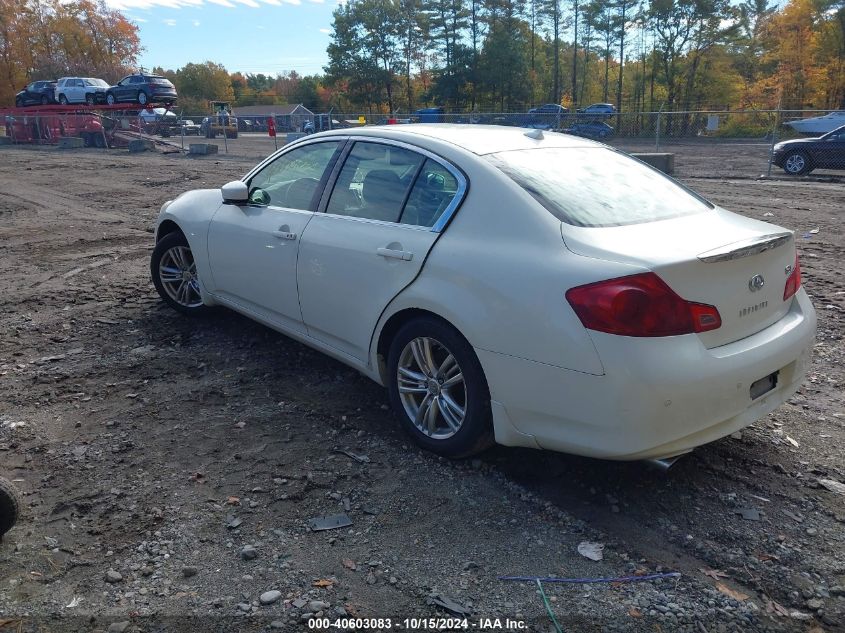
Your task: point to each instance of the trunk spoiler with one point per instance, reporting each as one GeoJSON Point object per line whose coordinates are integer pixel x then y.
{"type": "Point", "coordinates": [745, 248]}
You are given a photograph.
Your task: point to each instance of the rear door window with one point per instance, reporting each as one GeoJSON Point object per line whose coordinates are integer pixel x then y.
{"type": "Point", "coordinates": [374, 182]}
{"type": "Point", "coordinates": [596, 186]}
{"type": "Point", "coordinates": [434, 190]}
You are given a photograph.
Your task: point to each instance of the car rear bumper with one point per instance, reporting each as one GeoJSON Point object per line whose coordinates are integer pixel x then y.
{"type": "Point", "coordinates": [659, 397]}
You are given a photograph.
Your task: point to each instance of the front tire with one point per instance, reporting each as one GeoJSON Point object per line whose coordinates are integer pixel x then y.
{"type": "Point", "coordinates": [63, 99]}
{"type": "Point", "coordinates": [45, 100]}
{"type": "Point", "coordinates": [796, 164]}
{"type": "Point", "coordinates": [142, 97]}
{"type": "Point", "coordinates": [110, 98]}
{"type": "Point", "coordinates": [174, 274]}
{"type": "Point", "coordinates": [438, 389]}
{"type": "Point", "coordinates": [89, 99]}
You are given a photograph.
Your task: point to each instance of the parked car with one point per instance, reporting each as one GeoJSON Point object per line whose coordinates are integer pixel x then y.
{"type": "Point", "coordinates": [159, 121]}
{"type": "Point", "coordinates": [88, 90]}
{"type": "Point", "coordinates": [803, 155]}
{"type": "Point", "coordinates": [549, 108]}
{"type": "Point", "coordinates": [143, 89]}
{"type": "Point", "coordinates": [537, 290]}
{"type": "Point", "coordinates": [189, 128]}
{"type": "Point", "coordinates": [38, 92]}
{"type": "Point", "coordinates": [591, 129]}
{"type": "Point", "coordinates": [599, 108]}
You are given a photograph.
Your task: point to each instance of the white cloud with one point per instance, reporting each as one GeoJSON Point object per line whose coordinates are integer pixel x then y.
{"type": "Point", "coordinates": [326, 31]}
{"type": "Point", "coordinates": [223, 3]}
{"type": "Point", "coordinates": [169, 22]}
{"type": "Point", "coordinates": [196, 22]}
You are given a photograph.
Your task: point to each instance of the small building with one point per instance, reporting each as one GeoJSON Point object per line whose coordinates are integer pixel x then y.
{"type": "Point", "coordinates": [290, 117]}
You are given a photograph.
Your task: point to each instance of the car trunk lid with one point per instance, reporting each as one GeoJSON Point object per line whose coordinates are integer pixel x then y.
{"type": "Point", "coordinates": [718, 258]}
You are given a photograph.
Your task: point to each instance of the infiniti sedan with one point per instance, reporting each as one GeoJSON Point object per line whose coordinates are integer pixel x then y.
{"type": "Point", "coordinates": [527, 288]}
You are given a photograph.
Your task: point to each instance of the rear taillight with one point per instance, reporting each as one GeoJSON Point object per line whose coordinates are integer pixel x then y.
{"type": "Point", "coordinates": [793, 282]}
{"type": "Point", "coordinates": [640, 305]}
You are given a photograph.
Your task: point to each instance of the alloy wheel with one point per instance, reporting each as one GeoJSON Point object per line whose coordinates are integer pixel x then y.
{"type": "Point", "coordinates": [795, 164]}
{"type": "Point", "coordinates": [432, 389]}
{"type": "Point", "coordinates": [178, 274]}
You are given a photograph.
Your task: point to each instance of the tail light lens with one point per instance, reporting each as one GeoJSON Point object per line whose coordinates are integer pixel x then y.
{"type": "Point", "coordinates": [793, 282]}
{"type": "Point", "coordinates": [640, 305]}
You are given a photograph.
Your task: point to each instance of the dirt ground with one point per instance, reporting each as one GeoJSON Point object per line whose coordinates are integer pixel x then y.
{"type": "Point", "coordinates": [169, 466]}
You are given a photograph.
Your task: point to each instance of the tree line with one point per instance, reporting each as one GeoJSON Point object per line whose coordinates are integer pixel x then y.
{"type": "Point", "coordinates": [483, 55]}
{"type": "Point", "coordinates": [504, 55]}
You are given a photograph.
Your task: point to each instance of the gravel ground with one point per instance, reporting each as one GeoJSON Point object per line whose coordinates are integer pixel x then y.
{"type": "Point", "coordinates": [170, 467]}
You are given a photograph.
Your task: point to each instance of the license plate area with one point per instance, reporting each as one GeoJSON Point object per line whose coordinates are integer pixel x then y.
{"type": "Point", "coordinates": [764, 385]}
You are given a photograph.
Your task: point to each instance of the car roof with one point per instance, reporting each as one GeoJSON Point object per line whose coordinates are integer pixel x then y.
{"type": "Point", "coordinates": [478, 139]}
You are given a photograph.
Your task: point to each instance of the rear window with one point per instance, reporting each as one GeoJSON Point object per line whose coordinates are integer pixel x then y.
{"type": "Point", "coordinates": [595, 186]}
{"type": "Point", "coordinates": [160, 80]}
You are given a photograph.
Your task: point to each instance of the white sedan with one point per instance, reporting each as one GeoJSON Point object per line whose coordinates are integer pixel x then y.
{"type": "Point", "coordinates": [531, 289]}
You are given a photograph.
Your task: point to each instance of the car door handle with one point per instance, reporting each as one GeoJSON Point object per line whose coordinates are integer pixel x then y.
{"type": "Point", "coordinates": [395, 254]}
{"type": "Point", "coordinates": [284, 235]}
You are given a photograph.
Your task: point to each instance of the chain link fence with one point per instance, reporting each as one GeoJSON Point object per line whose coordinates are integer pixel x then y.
{"type": "Point", "coordinates": [715, 144]}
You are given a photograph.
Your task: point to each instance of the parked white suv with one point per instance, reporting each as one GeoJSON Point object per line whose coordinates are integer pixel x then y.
{"type": "Point", "coordinates": [88, 90]}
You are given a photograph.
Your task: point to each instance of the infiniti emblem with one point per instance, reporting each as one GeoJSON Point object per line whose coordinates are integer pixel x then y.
{"type": "Point", "coordinates": [756, 283]}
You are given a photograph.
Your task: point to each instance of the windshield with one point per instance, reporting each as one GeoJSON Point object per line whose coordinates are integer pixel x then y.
{"type": "Point", "coordinates": [96, 82]}
{"type": "Point", "coordinates": [596, 186]}
{"type": "Point", "coordinates": [835, 133]}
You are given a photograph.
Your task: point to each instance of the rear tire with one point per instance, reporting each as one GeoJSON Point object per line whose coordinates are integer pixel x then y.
{"type": "Point", "coordinates": [174, 274]}
{"type": "Point", "coordinates": [45, 100]}
{"type": "Point", "coordinates": [89, 99]}
{"type": "Point", "coordinates": [142, 97]}
{"type": "Point", "coordinates": [10, 506]}
{"type": "Point", "coordinates": [63, 99]}
{"type": "Point", "coordinates": [436, 365]}
{"type": "Point", "coordinates": [110, 98]}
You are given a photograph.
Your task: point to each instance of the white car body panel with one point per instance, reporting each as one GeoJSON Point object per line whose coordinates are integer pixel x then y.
{"type": "Point", "coordinates": [345, 281]}
{"type": "Point", "coordinates": [499, 273]}
{"type": "Point", "coordinates": [270, 237]}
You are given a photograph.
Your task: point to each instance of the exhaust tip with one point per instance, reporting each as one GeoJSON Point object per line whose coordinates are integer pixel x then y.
{"type": "Point", "coordinates": [663, 464]}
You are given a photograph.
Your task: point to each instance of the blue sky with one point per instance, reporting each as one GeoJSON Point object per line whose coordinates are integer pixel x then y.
{"type": "Point", "coordinates": [251, 36]}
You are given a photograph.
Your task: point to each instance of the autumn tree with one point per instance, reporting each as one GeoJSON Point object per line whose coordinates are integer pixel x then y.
{"type": "Point", "coordinates": [47, 39]}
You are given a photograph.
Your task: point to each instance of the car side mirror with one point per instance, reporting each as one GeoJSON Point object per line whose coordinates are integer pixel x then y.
{"type": "Point", "coordinates": [235, 192]}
